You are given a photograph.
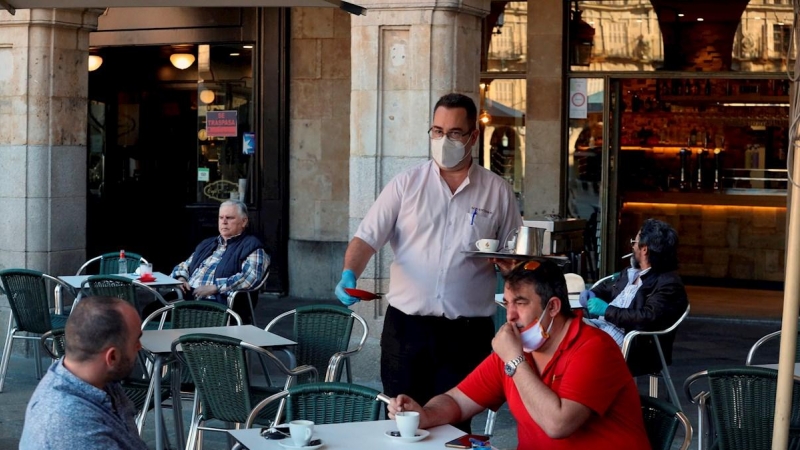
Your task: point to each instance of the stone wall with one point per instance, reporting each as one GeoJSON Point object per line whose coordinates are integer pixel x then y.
{"type": "Point", "coordinates": [733, 242]}
{"type": "Point", "coordinates": [319, 136]}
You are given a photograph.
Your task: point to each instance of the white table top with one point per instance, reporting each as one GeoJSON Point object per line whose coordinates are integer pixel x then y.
{"type": "Point", "coordinates": [775, 367]}
{"type": "Point", "coordinates": [160, 341]}
{"type": "Point", "coordinates": [161, 280]}
{"type": "Point", "coordinates": [573, 300]}
{"type": "Point", "coordinates": [354, 436]}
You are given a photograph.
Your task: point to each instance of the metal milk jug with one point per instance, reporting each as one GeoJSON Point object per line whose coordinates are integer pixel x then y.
{"type": "Point", "coordinates": [529, 241]}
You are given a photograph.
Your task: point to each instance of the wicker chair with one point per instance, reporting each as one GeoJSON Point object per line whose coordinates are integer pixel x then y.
{"type": "Point", "coordinates": [121, 287]}
{"type": "Point", "coordinates": [499, 319]}
{"type": "Point", "coordinates": [28, 295]}
{"type": "Point", "coordinates": [661, 420]}
{"type": "Point", "coordinates": [250, 296]}
{"type": "Point", "coordinates": [218, 366]}
{"type": "Point", "coordinates": [324, 403]}
{"type": "Point", "coordinates": [739, 408]}
{"type": "Point", "coordinates": [322, 333]}
{"type": "Point", "coordinates": [108, 263]}
{"type": "Point", "coordinates": [771, 341]}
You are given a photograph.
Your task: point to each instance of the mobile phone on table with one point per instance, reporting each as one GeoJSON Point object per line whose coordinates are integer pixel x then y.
{"type": "Point", "coordinates": [467, 441]}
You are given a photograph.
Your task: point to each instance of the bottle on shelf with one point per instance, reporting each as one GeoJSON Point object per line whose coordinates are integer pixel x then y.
{"type": "Point", "coordinates": [123, 263]}
{"type": "Point", "coordinates": [684, 160]}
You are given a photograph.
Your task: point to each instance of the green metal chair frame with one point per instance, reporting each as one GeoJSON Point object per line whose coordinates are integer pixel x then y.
{"type": "Point", "coordinates": [325, 403]}
{"type": "Point", "coordinates": [108, 263]}
{"type": "Point", "coordinates": [322, 333]}
{"type": "Point", "coordinates": [661, 420]}
{"type": "Point", "coordinates": [121, 287]}
{"type": "Point", "coordinates": [54, 343]}
{"type": "Point", "coordinates": [29, 297]}
{"type": "Point", "coordinates": [740, 406]}
{"type": "Point", "coordinates": [499, 318]}
{"type": "Point", "coordinates": [219, 369]}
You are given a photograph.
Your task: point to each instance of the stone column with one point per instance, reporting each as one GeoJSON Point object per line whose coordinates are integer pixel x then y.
{"type": "Point", "coordinates": [43, 117]}
{"type": "Point", "coordinates": [544, 187]}
{"type": "Point", "coordinates": [405, 55]}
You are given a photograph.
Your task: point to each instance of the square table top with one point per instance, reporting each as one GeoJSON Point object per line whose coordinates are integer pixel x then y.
{"type": "Point", "coordinates": [161, 279]}
{"type": "Point", "coordinates": [160, 341]}
{"type": "Point", "coordinates": [353, 436]}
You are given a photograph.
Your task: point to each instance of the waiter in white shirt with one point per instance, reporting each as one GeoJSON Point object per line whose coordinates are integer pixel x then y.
{"type": "Point", "coordinates": [438, 326]}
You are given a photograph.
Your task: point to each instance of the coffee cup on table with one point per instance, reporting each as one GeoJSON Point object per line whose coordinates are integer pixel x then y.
{"type": "Point", "coordinates": [145, 269]}
{"type": "Point", "coordinates": [407, 423]}
{"type": "Point", "coordinates": [487, 245]}
{"type": "Point", "coordinates": [301, 432]}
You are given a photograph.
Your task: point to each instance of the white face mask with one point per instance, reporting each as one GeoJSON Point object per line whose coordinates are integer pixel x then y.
{"type": "Point", "coordinates": [533, 337]}
{"type": "Point", "coordinates": [447, 153]}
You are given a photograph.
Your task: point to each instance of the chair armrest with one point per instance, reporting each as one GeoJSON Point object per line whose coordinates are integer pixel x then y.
{"type": "Point", "coordinates": [687, 387]}
{"type": "Point", "coordinates": [752, 352]}
{"type": "Point", "coordinates": [286, 371]}
{"type": "Point", "coordinates": [626, 342]}
{"type": "Point", "coordinates": [263, 403]}
{"type": "Point", "coordinates": [60, 285]}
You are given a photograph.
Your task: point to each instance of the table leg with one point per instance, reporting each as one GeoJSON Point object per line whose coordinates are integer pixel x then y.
{"type": "Point", "coordinates": [159, 418]}
{"type": "Point", "coordinates": [177, 406]}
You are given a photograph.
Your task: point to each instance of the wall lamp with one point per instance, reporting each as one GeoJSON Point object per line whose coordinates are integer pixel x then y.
{"type": "Point", "coordinates": [182, 60]}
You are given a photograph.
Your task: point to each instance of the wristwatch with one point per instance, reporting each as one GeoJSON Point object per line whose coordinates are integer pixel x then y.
{"type": "Point", "coordinates": [511, 366]}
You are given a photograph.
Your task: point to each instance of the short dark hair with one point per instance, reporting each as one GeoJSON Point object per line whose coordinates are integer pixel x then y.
{"type": "Point", "coordinates": [454, 100]}
{"type": "Point", "coordinates": [547, 281]}
{"type": "Point", "coordinates": [94, 324]}
{"type": "Point", "coordinates": [662, 244]}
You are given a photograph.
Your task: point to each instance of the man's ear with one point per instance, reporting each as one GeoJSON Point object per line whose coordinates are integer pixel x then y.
{"type": "Point", "coordinates": [556, 305]}
{"type": "Point", "coordinates": [111, 356]}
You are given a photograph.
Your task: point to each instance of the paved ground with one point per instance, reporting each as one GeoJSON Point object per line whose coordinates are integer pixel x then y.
{"type": "Point", "coordinates": [702, 343]}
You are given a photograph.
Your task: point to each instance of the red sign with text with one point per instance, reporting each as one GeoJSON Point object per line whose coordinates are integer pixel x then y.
{"type": "Point", "coordinates": [221, 124]}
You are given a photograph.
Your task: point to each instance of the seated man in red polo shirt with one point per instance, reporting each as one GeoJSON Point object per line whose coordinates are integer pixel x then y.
{"type": "Point", "coordinates": [565, 382]}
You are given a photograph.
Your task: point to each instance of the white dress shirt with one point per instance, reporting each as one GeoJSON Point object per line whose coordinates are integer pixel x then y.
{"type": "Point", "coordinates": [429, 228]}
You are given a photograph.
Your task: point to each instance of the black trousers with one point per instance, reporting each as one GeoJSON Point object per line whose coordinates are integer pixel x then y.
{"type": "Point", "coordinates": [424, 356]}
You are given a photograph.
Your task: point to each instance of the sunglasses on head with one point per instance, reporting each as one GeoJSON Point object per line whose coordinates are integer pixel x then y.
{"type": "Point", "coordinates": [529, 265]}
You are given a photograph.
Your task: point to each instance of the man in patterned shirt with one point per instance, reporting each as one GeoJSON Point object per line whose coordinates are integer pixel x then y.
{"type": "Point", "coordinates": [234, 260]}
{"type": "Point", "coordinates": [648, 296]}
{"type": "Point", "coordinates": [79, 403]}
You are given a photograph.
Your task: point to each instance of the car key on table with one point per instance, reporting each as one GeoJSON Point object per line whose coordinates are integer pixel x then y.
{"type": "Point", "coordinates": [275, 433]}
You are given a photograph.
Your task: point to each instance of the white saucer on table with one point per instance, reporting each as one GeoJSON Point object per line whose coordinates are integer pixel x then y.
{"type": "Point", "coordinates": [418, 436]}
{"type": "Point", "coordinates": [289, 443]}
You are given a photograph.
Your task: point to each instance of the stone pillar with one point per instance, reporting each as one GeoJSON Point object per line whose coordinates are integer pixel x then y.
{"type": "Point", "coordinates": [405, 55]}
{"type": "Point", "coordinates": [43, 114]}
{"type": "Point", "coordinates": [544, 187]}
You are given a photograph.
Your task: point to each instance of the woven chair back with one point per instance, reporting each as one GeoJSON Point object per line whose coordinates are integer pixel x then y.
{"type": "Point", "coordinates": [743, 408]}
{"type": "Point", "coordinates": [218, 367]}
{"type": "Point", "coordinates": [108, 263]}
{"type": "Point", "coordinates": [333, 402]}
{"type": "Point", "coordinates": [320, 331]}
{"type": "Point", "coordinates": [27, 295]}
{"type": "Point", "coordinates": [660, 421]}
{"type": "Point", "coordinates": [113, 286]}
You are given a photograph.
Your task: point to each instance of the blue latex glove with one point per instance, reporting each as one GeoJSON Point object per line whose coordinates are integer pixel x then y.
{"type": "Point", "coordinates": [596, 307]}
{"type": "Point", "coordinates": [586, 294]}
{"type": "Point", "coordinates": [348, 281]}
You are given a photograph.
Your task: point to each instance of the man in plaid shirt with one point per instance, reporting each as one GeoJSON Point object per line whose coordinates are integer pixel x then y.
{"type": "Point", "coordinates": [234, 260]}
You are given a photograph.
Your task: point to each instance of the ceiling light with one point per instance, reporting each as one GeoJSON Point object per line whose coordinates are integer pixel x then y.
{"type": "Point", "coordinates": [182, 60]}
{"type": "Point", "coordinates": [681, 14]}
{"type": "Point", "coordinates": [247, 46]}
{"type": "Point", "coordinates": [235, 54]}
{"type": "Point", "coordinates": [485, 118]}
{"type": "Point", "coordinates": [699, 19]}
{"type": "Point", "coordinates": [207, 96]}
{"type": "Point", "coordinates": [95, 62]}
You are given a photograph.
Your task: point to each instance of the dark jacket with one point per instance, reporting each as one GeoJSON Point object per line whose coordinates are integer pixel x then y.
{"type": "Point", "coordinates": [239, 248]}
{"type": "Point", "coordinates": [659, 303]}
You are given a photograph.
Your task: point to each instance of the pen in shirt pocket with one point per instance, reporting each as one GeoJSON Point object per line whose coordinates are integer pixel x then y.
{"type": "Point", "coordinates": [472, 218]}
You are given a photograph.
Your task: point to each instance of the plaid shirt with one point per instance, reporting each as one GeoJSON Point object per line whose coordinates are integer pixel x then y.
{"type": "Point", "coordinates": [253, 269]}
{"type": "Point", "coordinates": [623, 300]}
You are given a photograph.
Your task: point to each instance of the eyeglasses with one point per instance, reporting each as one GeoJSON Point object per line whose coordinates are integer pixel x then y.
{"type": "Point", "coordinates": [454, 135]}
{"type": "Point", "coordinates": [634, 242]}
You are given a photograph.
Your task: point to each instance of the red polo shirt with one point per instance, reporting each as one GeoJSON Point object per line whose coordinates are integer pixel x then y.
{"type": "Point", "coordinates": [588, 368]}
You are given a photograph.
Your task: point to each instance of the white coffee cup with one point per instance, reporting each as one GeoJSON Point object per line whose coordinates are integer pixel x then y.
{"type": "Point", "coordinates": [487, 245]}
{"type": "Point", "coordinates": [301, 431]}
{"type": "Point", "coordinates": [145, 268]}
{"type": "Point", "coordinates": [407, 423]}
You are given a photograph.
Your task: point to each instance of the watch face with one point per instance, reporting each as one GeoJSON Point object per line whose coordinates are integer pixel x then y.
{"type": "Point", "coordinates": [510, 369]}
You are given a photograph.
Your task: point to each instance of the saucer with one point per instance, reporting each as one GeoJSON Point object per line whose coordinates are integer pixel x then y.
{"type": "Point", "coordinates": [289, 443]}
{"type": "Point", "coordinates": [149, 280]}
{"type": "Point", "coordinates": [418, 436]}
